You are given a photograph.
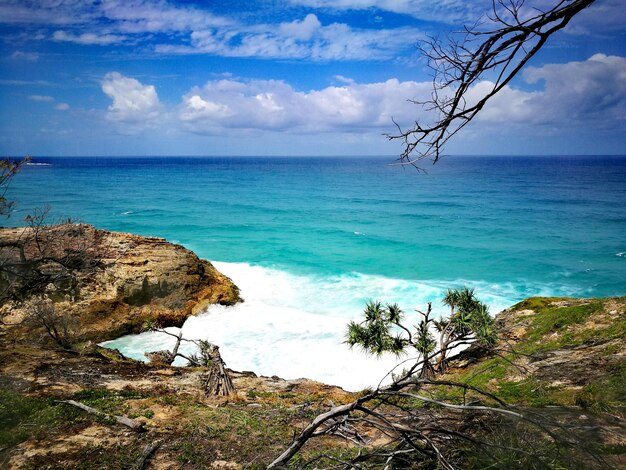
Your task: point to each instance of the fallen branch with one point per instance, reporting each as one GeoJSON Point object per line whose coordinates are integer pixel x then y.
{"type": "Point", "coordinates": [133, 424]}
{"type": "Point", "coordinates": [148, 450]}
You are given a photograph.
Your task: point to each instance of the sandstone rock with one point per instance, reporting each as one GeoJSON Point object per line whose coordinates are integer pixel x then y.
{"type": "Point", "coordinates": [136, 280]}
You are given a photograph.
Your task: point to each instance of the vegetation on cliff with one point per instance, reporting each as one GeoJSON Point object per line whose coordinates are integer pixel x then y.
{"type": "Point", "coordinates": [561, 359]}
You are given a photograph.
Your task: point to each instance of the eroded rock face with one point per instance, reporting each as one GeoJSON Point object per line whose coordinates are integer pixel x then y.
{"type": "Point", "coordinates": [562, 343]}
{"type": "Point", "coordinates": [126, 280]}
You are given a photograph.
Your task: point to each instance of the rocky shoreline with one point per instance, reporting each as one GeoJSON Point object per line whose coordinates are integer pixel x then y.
{"type": "Point", "coordinates": [138, 281]}
{"type": "Point", "coordinates": [563, 357]}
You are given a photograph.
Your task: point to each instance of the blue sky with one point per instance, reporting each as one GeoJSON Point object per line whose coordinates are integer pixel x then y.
{"type": "Point", "coordinates": [285, 77]}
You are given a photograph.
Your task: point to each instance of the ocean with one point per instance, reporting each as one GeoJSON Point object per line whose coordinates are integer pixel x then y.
{"type": "Point", "coordinates": [310, 240]}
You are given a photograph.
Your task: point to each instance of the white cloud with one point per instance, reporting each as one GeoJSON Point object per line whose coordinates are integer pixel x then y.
{"type": "Point", "coordinates": [589, 94]}
{"type": "Point", "coordinates": [54, 12]}
{"type": "Point", "coordinates": [133, 102]}
{"type": "Point", "coordinates": [302, 30]}
{"type": "Point", "coordinates": [346, 80]}
{"type": "Point", "coordinates": [449, 11]}
{"type": "Point", "coordinates": [41, 98]}
{"type": "Point", "coordinates": [592, 92]}
{"type": "Point", "coordinates": [28, 56]}
{"type": "Point", "coordinates": [141, 16]}
{"type": "Point", "coordinates": [301, 39]}
{"type": "Point", "coordinates": [88, 38]}
{"type": "Point", "coordinates": [601, 18]}
{"type": "Point", "coordinates": [275, 105]}
{"type": "Point", "coordinates": [187, 30]}
{"type": "Point", "coordinates": [604, 17]}
{"type": "Point", "coordinates": [62, 107]}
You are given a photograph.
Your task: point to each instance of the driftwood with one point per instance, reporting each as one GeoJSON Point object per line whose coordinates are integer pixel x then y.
{"type": "Point", "coordinates": [148, 450]}
{"type": "Point", "coordinates": [165, 356]}
{"type": "Point", "coordinates": [218, 381]}
{"type": "Point", "coordinates": [133, 424]}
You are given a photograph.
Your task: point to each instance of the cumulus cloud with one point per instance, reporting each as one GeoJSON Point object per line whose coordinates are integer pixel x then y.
{"type": "Point", "coordinates": [275, 105]}
{"type": "Point", "coordinates": [62, 107]}
{"type": "Point", "coordinates": [41, 98]}
{"type": "Point", "coordinates": [589, 93]}
{"type": "Point", "coordinates": [88, 38]}
{"type": "Point", "coordinates": [592, 92]}
{"type": "Point", "coordinates": [302, 30]}
{"type": "Point", "coordinates": [602, 18]}
{"type": "Point", "coordinates": [133, 102]}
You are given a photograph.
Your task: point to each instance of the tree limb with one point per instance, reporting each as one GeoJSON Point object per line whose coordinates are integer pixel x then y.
{"type": "Point", "coordinates": [133, 424]}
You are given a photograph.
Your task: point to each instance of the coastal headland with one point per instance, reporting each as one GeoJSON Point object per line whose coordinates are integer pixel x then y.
{"type": "Point", "coordinates": [122, 282]}
{"type": "Point", "coordinates": [558, 356]}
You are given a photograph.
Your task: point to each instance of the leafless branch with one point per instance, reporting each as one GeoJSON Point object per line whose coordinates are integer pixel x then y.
{"type": "Point", "coordinates": [133, 424]}
{"type": "Point", "coordinates": [465, 58]}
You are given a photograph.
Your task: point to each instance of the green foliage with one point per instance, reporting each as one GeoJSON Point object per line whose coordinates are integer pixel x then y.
{"type": "Point", "coordinates": [22, 416]}
{"type": "Point", "coordinates": [203, 357]}
{"type": "Point", "coordinates": [468, 317]}
{"type": "Point", "coordinates": [555, 318]}
{"type": "Point", "coordinates": [382, 329]}
{"type": "Point", "coordinates": [375, 334]}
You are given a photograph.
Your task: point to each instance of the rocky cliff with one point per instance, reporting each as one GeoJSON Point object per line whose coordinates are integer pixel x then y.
{"type": "Point", "coordinates": [119, 282]}
{"type": "Point", "coordinates": [554, 351]}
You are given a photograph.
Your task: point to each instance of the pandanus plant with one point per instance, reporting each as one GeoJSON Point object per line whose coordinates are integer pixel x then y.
{"type": "Point", "coordinates": [382, 330]}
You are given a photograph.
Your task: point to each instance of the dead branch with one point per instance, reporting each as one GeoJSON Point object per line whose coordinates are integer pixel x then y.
{"type": "Point", "coordinates": [148, 450]}
{"type": "Point", "coordinates": [48, 260]}
{"type": "Point", "coordinates": [165, 356]}
{"type": "Point", "coordinates": [218, 381]}
{"type": "Point", "coordinates": [133, 424]}
{"type": "Point", "coordinates": [466, 58]}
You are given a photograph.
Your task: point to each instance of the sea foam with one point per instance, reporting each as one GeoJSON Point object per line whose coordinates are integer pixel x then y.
{"type": "Point", "coordinates": [293, 325]}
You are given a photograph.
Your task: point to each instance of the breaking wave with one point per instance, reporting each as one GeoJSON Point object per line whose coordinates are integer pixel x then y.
{"type": "Point", "coordinates": [293, 325]}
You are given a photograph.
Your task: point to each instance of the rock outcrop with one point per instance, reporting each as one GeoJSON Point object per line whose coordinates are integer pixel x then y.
{"type": "Point", "coordinates": [553, 351]}
{"type": "Point", "coordinates": [121, 281]}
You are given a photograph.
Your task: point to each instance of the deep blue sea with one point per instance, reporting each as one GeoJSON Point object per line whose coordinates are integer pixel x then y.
{"type": "Point", "coordinates": [310, 240]}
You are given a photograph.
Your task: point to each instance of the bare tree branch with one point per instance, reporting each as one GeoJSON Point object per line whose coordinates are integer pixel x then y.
{"type": "Point", "coordinates": [470, 56]}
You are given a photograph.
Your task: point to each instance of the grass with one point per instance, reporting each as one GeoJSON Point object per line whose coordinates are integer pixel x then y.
{"type": "Point", "coordinates": [112, 402]}
{"type": "Point", "coordinates": [553, 327]}
{"type": "Point", "coordinates": [90, 457]}
{"type": "Point", "coordinates": [22, 417]}
{"type": "Point", "coordinates": [555, 319]}
{"type": "Point", "coordinates": [254, 429]}
{"type": "Point", "coordinates": [607, 394]}
{"type": "Point", "coordinates": [253, 435]}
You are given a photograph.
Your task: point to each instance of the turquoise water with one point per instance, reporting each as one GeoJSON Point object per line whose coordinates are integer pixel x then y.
{"type": "Point", "coordinates": [309, 240]}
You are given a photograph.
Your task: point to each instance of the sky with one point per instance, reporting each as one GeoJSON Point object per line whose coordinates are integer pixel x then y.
{"type": "Point", "coordinates": [287, 77]}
